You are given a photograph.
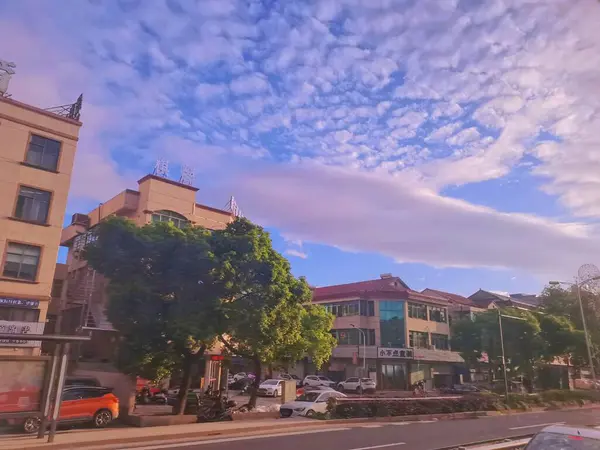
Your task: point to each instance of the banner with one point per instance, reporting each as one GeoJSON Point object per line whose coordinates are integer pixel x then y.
{"type": "Point", "coordinates": [21, 385]}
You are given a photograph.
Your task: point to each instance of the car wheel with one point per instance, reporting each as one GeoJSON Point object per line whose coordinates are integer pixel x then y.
{"type": "Point", "coordinates": [102, 418]}
{"type": "Point", "coordinates": [275, 393]}
{"type": "Point", "coordinates": [359, 390]}
{"type": "Point", "coordinates": [310, 413]}
{"type": "Point", "coordinates": [32, 425]}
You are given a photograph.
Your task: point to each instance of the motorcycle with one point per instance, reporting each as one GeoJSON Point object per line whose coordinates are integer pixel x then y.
{"type": "Point", "coordinates": [215, 407]}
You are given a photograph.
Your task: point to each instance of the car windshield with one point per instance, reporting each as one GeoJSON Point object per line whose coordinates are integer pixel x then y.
{"type": "Point", "coordinates": [309, 397]}
{"type": "Point", "coordinates": [270, 382]}
{"type": "Point", "coordinates": [324, 379]}
{"type": "Point", "coordinates": [366, 380]}
{"type": "Point", "coordinates": [556, 441]}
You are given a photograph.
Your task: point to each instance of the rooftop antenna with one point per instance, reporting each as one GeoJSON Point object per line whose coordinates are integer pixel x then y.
{"type": "Point", "coordinates": [234, 208]}
{"type": "Point", "coordinates": [161, 168]}
{"type": "Point", "coordinates": [7, 70]}
{"type": "Point", "coordinates": [187, 175]}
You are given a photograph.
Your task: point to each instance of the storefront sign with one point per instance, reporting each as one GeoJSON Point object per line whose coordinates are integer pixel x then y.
{"type": "Point", "coordinates": [19, 302]}
{"type": "Point", "coordinates": [7, 327]}
{"type": "Point", "coordinates": [387, 353]}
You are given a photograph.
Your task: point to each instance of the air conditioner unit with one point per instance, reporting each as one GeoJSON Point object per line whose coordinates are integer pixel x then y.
{"type": "Point", "coordinates": [80, 219]}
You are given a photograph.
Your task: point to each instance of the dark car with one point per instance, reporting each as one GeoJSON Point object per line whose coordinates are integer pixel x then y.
{"type": "Point", "coordinates": [241, 385]}
{"type": "Point", "coordinates": [462, 389]}
{"type": "Point", "coordinates": [82, 381]}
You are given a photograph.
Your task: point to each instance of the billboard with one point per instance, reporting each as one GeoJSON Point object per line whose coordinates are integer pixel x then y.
{"type": "Point", "coordinates": [21, 384]}
{"type": "Point", "coordinates": [16, 328]}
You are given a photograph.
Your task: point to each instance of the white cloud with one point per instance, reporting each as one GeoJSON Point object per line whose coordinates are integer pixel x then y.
{"type": "Point", "coordinates": [444, 132]}
{"type": "Point", "coordinates": [464, 137]}
{"type": "Point", "coordinates": [296, 253]}
{"type": "Point", "coordinates": [339, 205]}
{"type": "Point", "coordinates": [207, 90]}
{"type": "Point", "coordinates": [250, 84]}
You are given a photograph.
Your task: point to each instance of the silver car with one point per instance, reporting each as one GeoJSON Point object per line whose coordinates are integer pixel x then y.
{"type": "Point", "coordinates": [563, 437]}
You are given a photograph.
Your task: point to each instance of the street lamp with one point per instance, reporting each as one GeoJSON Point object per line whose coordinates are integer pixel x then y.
{"type": "Point", "coordinates": [588, 342]}
{"type": "Point", "coordinates": [364, 354]}
{"type": "Point", "coordinates": [500, 316]}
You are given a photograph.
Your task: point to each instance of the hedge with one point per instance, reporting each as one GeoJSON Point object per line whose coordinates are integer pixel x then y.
{"type": "Point", "coordinates": [380, 407]}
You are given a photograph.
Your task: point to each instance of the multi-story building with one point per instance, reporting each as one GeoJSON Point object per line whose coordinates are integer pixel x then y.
{"type": "Point", "coordinates": [84, 299]}
{"type": "Point", "coordinates": [459, 307]}
{"type": "Point", "coordinates": [37, 150]}
{"type": "Point", "coordinates": [404, 335]}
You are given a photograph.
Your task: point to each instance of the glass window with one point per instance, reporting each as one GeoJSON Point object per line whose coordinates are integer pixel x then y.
{"type": "Point", "coordinates": [19, 314]}
{"type": "Point", "coordinates": [417, 311]}
{"type": "Point", "coordinates": [440, 341]}
{"type": "Point", "coordinates": [72, 394]}
{"type": "Point", "coordinates": [437, 314]}
{"type": "Point", "coordinates": [351, 336]}
{"type": "Point", "coordinates": [21, 261]}
{"type": "Point", "coordinates": [57, 286]}
{"type": "Point", "coordinates": [418, 339]}
{"type": "Point", "coordinates": [170, 216]}
{"type": "Point", "coordinates": [43, 152]}
{"type": "Point", "coordinates": [391, 321]}
{"type": "Point", "coordinates": [33, 204]}
{"type": "Point", "coordinates": [367, 308]}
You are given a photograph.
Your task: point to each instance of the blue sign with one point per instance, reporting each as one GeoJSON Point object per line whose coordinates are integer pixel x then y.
{"type": "Point", "coordinates": [19, 302]}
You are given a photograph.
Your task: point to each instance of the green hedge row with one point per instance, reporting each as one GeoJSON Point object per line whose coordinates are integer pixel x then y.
{"type": "Point", "coordinates": [380, 407]}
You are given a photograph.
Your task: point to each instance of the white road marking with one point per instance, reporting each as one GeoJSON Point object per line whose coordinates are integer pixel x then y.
{"type": "Point", "coordinates": [400, 423]}
{"type": "Point", "coordinates": [379, 446]}
{"type": "Point", "coordinates": [233, 439]}
{"type": "Point", "coordinates": [371, 426]}
{"type": "Point", "coordinates": [537, 425]}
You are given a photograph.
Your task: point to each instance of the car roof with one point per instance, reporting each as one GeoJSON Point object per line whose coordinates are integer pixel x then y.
{"type": "Point", "coordinates": [584, 431]}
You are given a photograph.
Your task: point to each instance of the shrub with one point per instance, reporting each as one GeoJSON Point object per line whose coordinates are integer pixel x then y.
{"type": "Point", "coordinates": [382, 408]}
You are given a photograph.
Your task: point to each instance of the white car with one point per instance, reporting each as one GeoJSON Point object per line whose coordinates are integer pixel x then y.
{"type": "Point", "coordinates": [565, 437]}
{"type": "Point", "coordinates": [309, 403]}
{"type": "Point", "coordinates": [240, 376]}
{"type": "Point", "coordinates": [317, 380]}
{"type": "Point", "coordinates": [357, 385]}
{"type": "Point", "coordinates": [288, 377]}
{"type": "Point", "coordinates": [271, 388]}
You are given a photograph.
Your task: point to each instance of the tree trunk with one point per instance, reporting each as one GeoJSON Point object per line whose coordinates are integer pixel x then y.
{"type": "Point", "coordinates": [189, 361]}
{"type": "Point", "coordinates": [254, 393]}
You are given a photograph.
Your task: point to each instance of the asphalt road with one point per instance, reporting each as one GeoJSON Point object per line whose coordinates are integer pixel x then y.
{"type": "Point", "coordinates": [406, 435]}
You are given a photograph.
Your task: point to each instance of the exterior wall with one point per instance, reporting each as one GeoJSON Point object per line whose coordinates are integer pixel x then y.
{"type": "Point", "coordinates": [17, 123]}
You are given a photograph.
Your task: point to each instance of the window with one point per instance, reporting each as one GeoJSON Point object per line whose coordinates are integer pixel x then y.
{"type": "Point", "coordinates": [19, 314]}
{"type": "Point", "coordinates": [418, 339]}
{"type": "Point", "coordinates": [437, 314]}
{"type": "Point", "coordinates": [417, 311]}
{"type": "Point", "coordinates": [57, 286]}
{"type": "Point", "coordinates": [33, 204]}
{"type": "Point", "coordinates": [169, 216]}
{"type": "Point", "coordinates": [43, 153]}
{"type": "Point", "coordinates": [440, 341]}
{"type": "Point", "coordinates": [72, 394]}
{"type": "Point", "coordinates": [21, 261]}
{"type": "Point", "coordinates": [351, 336]}
{"type": "Point", "coordinates": [391, 323]}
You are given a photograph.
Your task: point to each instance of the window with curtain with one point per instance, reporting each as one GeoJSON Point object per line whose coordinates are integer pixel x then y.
{"type": "Point", "coordinates": [33, 204]}
{"type": "Point", "coordinates": [418, 339]}
{"type": "Point", "coordinates": [351, 336]}
{"type": "Point", "coordinates": [440, 341]}
{"type": "Point", "coordinates": [417, 311]}
{"type": "Point", "coordinates": [43, 153]}
{"type": "Point", "coordinates": [22, 261]}
{"type": "Point", "coordinates": [170, 216]}
{"type": "Point", "coordinates": [437, 314]}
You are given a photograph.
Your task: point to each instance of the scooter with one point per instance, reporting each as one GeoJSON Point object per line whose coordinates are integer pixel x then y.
{"type": "Point", "coordinates": [215, 408]}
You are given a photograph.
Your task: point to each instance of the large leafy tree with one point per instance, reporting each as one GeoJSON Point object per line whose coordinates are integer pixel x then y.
{"type": "Point", "coordinates": [268, 317]}
{"type": "Point", "coordinates": [157, 302]}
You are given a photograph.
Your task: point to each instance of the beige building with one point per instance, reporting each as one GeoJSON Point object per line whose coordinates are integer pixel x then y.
{"type": "Point", "coordinates": [82, 304]}
{"type": "Point", "coordinates": [37, 150]}
{"type": "Point", "coordinates": [404, 335]}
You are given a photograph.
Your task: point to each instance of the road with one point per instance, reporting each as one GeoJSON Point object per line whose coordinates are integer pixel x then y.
{"type": "Point", "coordinates": [407, 435]}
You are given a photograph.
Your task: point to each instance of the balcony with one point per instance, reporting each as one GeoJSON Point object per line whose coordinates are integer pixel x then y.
{"type": "Point", "coordinates": [71, 111]}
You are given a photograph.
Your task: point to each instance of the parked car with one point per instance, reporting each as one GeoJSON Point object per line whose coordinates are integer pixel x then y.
{"type": "Point", "coordinates": [82, 381]}
{"type": "Point", "coordinates": [565, 438]}
{"type": "Point", "coordinates": [309, 403]}
{"type": "Point", "coordinates": [241, 375]}
{"type": "Point", "coordinates": [81, 404]}
{"type": "Point", "coordinates": [358, 385]}
{"type": "Point", "coordinates": [462, 389]}
{"type": "Point", "coordinates": [318, 380]}
{"type": "Point", "coordinates": [288, 377]}
{"type": "Point", "coordinates": [272, 388]}
{"type": "Point", "coordinates": [304, 389]}
{"type": "Point", "coordinates": [242, 384]}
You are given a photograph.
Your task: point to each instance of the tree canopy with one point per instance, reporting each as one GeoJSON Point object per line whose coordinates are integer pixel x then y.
{"type": "Point", "coordinates": [173, 293]}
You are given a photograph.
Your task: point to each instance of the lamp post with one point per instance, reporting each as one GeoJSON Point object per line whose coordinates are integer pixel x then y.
{"type": "Point", "coordinates": [364, 354]}
{"type": "Point", "coordinates": [500, 316]}
{"type": "Point", "coordinates": [588, 342]}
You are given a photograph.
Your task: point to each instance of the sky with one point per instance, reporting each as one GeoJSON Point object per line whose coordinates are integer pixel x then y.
{"type": "Point", "coordinates": [453, 143]}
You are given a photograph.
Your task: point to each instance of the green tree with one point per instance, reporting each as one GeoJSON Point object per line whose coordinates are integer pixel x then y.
{"type": "Point", "coordinates": [165, 317]}
{"type": "Point", "coordinates": [268, 317]}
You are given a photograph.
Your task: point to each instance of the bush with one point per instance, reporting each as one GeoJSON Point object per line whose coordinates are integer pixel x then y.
{"type": "Point", "coordinates": [384, 408]}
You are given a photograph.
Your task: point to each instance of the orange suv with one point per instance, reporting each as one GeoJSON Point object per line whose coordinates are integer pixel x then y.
{"type": "Point", "coordinates": [82, 404]}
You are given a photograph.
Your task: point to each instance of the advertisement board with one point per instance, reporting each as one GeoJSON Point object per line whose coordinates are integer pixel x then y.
{"type": "Point", "coordinates": [21, 384]}
{"type": "Point", "coordinates": [12, 327]}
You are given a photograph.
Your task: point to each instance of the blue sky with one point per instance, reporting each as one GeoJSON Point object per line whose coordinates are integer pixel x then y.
{"type": "Point", "coordinates": [450, 142]}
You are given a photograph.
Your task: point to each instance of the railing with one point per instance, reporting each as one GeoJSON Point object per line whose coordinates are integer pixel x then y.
{"type": "Point", "coordinates": [71, 111]}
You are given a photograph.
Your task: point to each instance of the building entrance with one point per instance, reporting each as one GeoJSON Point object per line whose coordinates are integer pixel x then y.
{"type": "Point", "coordinates": [393, 376]}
